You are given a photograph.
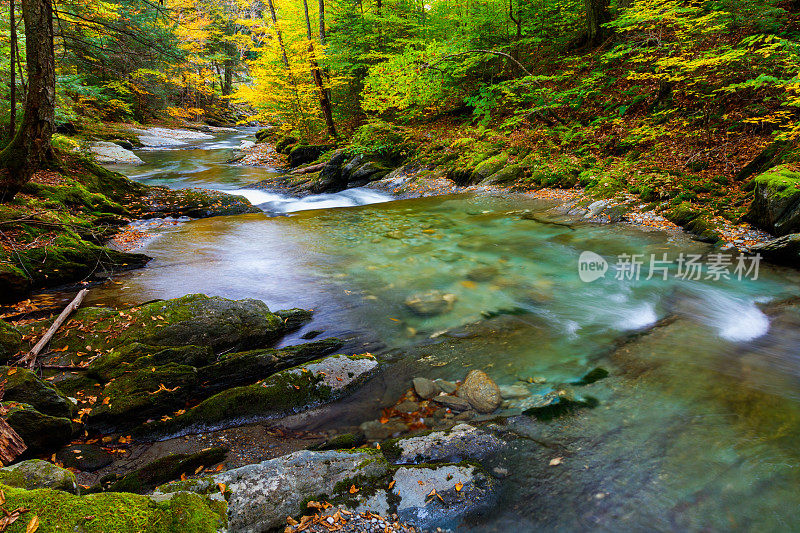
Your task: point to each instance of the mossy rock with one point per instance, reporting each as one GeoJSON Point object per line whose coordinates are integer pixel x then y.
{"type": "Point", "coordinates": [288, 391]}
{"type": "Point", "coordinates": [283, 144]}
{"type": "Point", "coordinates": [489, 167]}
{"type": "Point", "coordinates": [505, 175]}
{"type": "Point", "coordinates": [300, 154]}
{"type": "Point", "coordinates": [776, 201]}
{"type": "Point", "coordinates": [14, 283]}
{"type": "Point", "coordinates": [23, 386]}
{"type": "Point", "coordinates": [194, 203]}
{"type": "Point", "coordinates": [10, 341]}
{"type": "Point", "coordinates": [116, 512]}
{"type": "Point", "coordinates": [146, 393]}
{"type": "Point", "coordinates": [121, 359]}
{"type": "Point", "coordinates": [242, 368]}
{"type": "Point", "coordinates": [74, 195]}
{"type": "Point", "coordinates": [42, 433]}
{"type": "Point", "coordinates": [38, 474]}
{"type": "Point", "coordinates": [194, 319]}
{"type": "Point", "coordinates": [165, 469]}
{"type": "Point", "coordinates": [84, 457]}
{"type": "Point", "coordinates": [682, 214]}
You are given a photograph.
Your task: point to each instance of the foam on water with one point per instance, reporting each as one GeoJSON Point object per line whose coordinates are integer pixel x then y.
{"type": "Point", "coordinates": [279, 203]}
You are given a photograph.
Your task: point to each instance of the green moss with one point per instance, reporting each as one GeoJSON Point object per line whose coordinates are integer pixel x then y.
{"type": "Point", "coordinates": [114, 512]}
{"type": "Point", "coordinates": [10, 341]}
{"type": "Point", "coordinates": [781, 182]}
{"type": "Point", "coordinates": [166, 469]}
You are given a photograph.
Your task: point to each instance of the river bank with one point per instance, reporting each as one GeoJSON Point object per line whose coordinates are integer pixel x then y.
{"type": "Point", "coordinates": [409, 164]}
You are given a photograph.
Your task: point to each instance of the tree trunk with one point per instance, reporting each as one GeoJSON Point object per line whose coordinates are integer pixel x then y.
{"type": "Point", "coordinates": [30, 147]}
{"type": "Point", "coordinates": [274, 16]}
{"type": "Point", "coordinates": [12, 115]}
{"type": "Point", "coordinates": [322, 22]}
{"type": "Point", "coordinates": [596, 15]}
{"type": "Point", "coordinates": [324, 101]}
{"type": "Point", "coordinates": [227, 82]}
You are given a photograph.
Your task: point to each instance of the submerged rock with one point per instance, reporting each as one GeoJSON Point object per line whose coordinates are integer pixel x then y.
{"type": "Point", "coordinates": [425, 388]}
{"type": "Point", "coordinates": [38, 474]}
{"type": "Point", "coordinates": [376, 430]}
{"type": "Point", "coordinates": [453, 402]}
{"type": "Point", "coordinates": [481, 392]}
{"type": "Point", "coordinates": [462, 442]}
{"type": "Point", "coordinates": [554, 404]}
{"type": "Point", "coordinates": [430, 303]}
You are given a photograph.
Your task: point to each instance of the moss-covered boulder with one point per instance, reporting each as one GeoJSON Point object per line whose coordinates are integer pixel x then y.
{"type": "Point", "coordinates": [42, 433]}
{"type": "Point", "coordinates": [301, 154]}
{"type": "Point", "coordinates": [331, 177]}
{"type": "Point", "coordinates": [194, 203]}
{"type": "Point", "coordinates": [10, 341]}
{"type": "Point", "coordinates": [133, 356]}
{"type": "Point", "coordinates": [163, 470]}
{"type": "Point", "coordinates": [286, 392]}
{"type": "Point", "coordinates": [14, 283]}
{"type": "Point", "coordinates": [776, 201]}
{"type": "Point", "coordinates": [369, 171]}
{"type": "Point", "coordinates": [38, 474]}
{"type": "Point", "coordinates": [505, 175]}
{"type": "Point", "coordinates": [241, 368]}
{"type": "Point", "coordinates": [195, 319]}
{"type": "Point", "coordinates": [23, 386]}
{"type": "Point", "coordinates": [285, 143]}
{"type": "Point", "coordinates": [114, 512]}
{"type": "Point", "coordinates": [148, 393]}
{"type": "Point", "coordinates": [489, 167]}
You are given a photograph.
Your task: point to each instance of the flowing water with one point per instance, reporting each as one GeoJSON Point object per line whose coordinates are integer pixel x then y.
{"type": "Point", "coordinates": [697, 426]}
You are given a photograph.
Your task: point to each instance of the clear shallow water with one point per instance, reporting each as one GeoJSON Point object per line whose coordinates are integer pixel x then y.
{"type": "Point", "coordinates": [698, 424]}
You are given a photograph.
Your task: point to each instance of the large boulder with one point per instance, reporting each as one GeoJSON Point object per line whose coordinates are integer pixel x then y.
{"type": "Point", "coordinates": [504, 175]}
{"type": "Point", "coordinates": [42, 433]}
{"type": "Point", "coordinates": [84, 457]}
{"type": "Point", "coordinates": [369, 171]}
{"type": "Point", "coordinates": [10, 341]}
{"type": "Point", "coordinates": [783, 250]}
{"type": "Point", "coordinates": [38, 474]}
{"type": "Point", "coordinates": [481, 392]}
{"type": "Point", "coordinates": [23, 386]}
{"type": "Point", "coordinates": [262, 496]}
{"type": "Point", "coordinates": [306, 153]}
{"type": "Point", "coordinates": [489, 167]}
{"type": "Point", "coordinates": [286, 392]}
{"type": "Point", "coordinates": [195, 319]}
{"type": "Point", "coordinates": [776, 202]}
{"type": "Point", "coordinates": [109, 153]}
{"type": "Point", "coordinates": [331, 178]}
{"type": "Point", "coordinates": [158, 202]}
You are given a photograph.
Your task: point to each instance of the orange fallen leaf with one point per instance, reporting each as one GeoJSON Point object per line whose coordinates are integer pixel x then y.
{"type": "Point", "coordinates": [353, 489]}
{"type": "Point", "coordinates": [221, 487]}
{"type": "Point", "coordinates": [459, 486]}
{"type": "Point", "coordinates": [33, 525]}
{"type": "Point", "coordinates": [391, 484]}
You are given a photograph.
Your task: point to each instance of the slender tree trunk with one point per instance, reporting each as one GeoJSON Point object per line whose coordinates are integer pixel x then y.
{"type": "Point", "coordinates": [324, 101]}
{"type": "Point", "coordinates": [322, 22]}
{"type": "Point", "coordinates": [12, 115]}
{"type": "Point", "coordinates": [274, 16]}
{"type": "Point", "coordinates": [30, 147]}
{"type": "Point", "coordinates": [596, 15]}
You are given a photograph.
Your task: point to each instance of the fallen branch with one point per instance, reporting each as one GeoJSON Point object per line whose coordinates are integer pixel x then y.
{"type": "Point", "coordinates": [309, 169]}
{"type": "Point", "coordinates": [30, 358]}
{"type": "Point", "coordinates": [11, 444]}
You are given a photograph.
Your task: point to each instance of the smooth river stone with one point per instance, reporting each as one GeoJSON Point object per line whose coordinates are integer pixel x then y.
{"type": "Point", "coordinates": [481, 392]}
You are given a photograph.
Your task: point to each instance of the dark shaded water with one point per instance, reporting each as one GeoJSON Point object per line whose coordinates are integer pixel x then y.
{"type": "Point", "coordinates": [697, 426]}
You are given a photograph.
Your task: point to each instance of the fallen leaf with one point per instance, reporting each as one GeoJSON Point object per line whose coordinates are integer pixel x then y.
{"type": "Point", "coordinates": [198, 469]}
{"type": "Point", "coordinates": [391, 484]}
{"type": "Point", "coordinates": [459, 486]}
{"type": "Point", "coordinates": [221, 487]}
{"type": "Point", "coordinates": [556, 461]}
{"type": "Point", "coordinates": [353, 489]}
{"type": "Point", "coordinates": [33, 525]}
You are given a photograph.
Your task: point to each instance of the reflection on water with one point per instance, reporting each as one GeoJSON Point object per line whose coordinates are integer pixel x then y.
{"type": "Point", "coordinates": [698, 423]}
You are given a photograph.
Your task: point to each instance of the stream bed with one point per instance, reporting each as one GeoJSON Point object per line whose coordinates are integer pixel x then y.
{"type": "Point", "coordinates": [696, 427]}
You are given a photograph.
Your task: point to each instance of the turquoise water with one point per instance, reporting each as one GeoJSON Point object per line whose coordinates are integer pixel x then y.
{"type": "Point", "coordinates": [697, 425]}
